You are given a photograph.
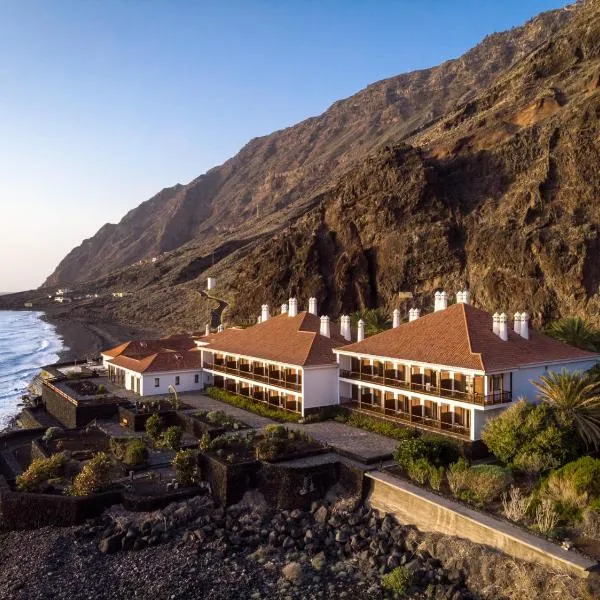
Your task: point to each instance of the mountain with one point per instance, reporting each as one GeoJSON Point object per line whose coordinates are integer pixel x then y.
{"type": "Point", "coordinates": [481, 171]}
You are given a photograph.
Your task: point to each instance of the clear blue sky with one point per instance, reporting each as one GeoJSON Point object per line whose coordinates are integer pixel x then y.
{"type": "Point", "coordinates": [105, 102]}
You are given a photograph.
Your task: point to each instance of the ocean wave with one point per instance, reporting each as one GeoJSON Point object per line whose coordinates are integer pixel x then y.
{"type": "Point", "coordinates": [26, 344]}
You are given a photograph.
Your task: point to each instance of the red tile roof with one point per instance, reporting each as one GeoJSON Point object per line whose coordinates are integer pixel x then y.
{"type": "Point", "coordinates": [175, 353]}
{"type": "Point", "coordinates": [291, 340]}
{"type": "Point", "coordinates": [461, 336]}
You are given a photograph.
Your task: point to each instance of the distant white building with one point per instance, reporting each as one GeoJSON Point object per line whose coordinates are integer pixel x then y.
{"type": "Point", "coordinates": [211, 283]}
{"type": "Point", "coordinates": [118, 294]}
{"type": "Point", "coordinates": [62, 299]}
{"type": "Point", "coordinates": [62, 291]}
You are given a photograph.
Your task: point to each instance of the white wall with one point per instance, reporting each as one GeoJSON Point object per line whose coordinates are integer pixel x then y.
{"type": "Point", "coordinates": [523, 378]}
{"type": "Point", "coordinates": [186, 382]}
{"type": "Point", "coordinates": [320, 387]}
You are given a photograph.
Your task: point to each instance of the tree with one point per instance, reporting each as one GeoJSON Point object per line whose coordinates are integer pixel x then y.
{"type": "Point", "coordinates": [376, 320]}
{"type": "Point", "coordinates": [575, 398]}
{"type": "Point", "coordinates": [576, 332]}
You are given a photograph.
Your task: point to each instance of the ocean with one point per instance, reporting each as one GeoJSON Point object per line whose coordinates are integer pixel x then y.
{"type": "Point", "coordinates": [26, 344]}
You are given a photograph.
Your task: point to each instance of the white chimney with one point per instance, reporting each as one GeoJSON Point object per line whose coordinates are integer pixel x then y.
{"type": "Point", "coordinates": [517, 323]}
{"type": "Point", "coordinates": [312, 306]}
{"type": "Point", "coordinates": [219, 328]}
{"type": "Point", "coordinates": [525, 325]}
{"type": "Point", "coordinates": [413, 314]}
{"type": "Point", "coordinates": [441, 301]}
{"type": "Point", "coordinates": [396, 318]}
{"type": "Point", "coordinates": [258, 320]}
{"type": "Point", "coordinates": [284, 309]}
{"type": "Point", "coordinates": [361, 331]}
{"type": "Point", "coordinates": [264, 313]}
{"type": "Point", "coordinates": [325, 326]}
{"type": "Point", "coordinates": [462, 297]}
{"type": "Point", "coordinates": [503, 327]}
{"type": "Point", "coordinates": [292, 307]}
{"type": "Point", "coordinates": [496, 323]}
{"type": "Point", "coordinates": [207, 329]}
{"type": "Point", "coordinates": [345, 330]}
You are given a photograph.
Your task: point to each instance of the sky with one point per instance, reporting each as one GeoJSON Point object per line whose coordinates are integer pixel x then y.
{"type": "Point", "coordinates": [105, 102]}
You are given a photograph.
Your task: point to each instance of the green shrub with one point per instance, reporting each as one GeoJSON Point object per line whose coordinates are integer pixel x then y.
{"type": "Point", "coordinates": [204, 443]}
{"type": "Point", "coordinates": [216, 416]}
{"type": "Point", "coordinates": [584, 473]}
{"type": "Point", "coordinates": [528, 437]}
{"type": "Point", "coordinates": [385, 428]}
{"type": "Point", "coordinates": [94, 476]}
{"type": "Point", "coordinates": [51, 434]}
{"type": "Point", "coordinates": [276, 432]}
{"type": "Point", "coordinates": [270, 448]}
{"type": "Point", "coordinates": [185, 464]}
{"type": "Point", "coordinates": [172, 437]}
{"type": "Point", "coordinates": [135, 453]}
{"type": "Point", "coordinates": [436, 476]}
{"type": "Point", "coordinates": [441, 451]}
{"type": "Point", "coordinates": [154, 425]}
{"type": "Point", "coordinates": [409, 451]}
{"type": "Point", "coordinates": [40, 471]}
{"type": "Point", "coordinates": [485, 483]}
{"type": "Point", "coordinates": [252, 405]}
{"type": "Point", "coordinates": [418, 470]}
{"type": "Point", "coordinates": [102, 389]}
{"type": "Point", "coordinates": [398, 581]}
{"type": "Point", "coordinates": [458, 474]}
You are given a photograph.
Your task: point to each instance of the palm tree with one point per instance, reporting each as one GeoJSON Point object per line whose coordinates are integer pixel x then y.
{"type": "Point", "coordinates": [576, 332]}
{"type": "Point", "coordinates": [575, 399]}
{"type": "Point", "coordinates": [376, 320]}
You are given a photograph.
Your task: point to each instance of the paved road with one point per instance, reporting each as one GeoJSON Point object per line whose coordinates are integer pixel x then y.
{"type": "Point", "coordinates": [349, 441]}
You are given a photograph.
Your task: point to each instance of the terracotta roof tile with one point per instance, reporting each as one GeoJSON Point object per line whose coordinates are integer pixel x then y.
{"type": "Point", "coordinates": [291, 340]}
{"type": "Point", "coordinates": [461, 336]}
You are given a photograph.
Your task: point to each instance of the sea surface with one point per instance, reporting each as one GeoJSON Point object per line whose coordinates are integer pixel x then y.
{"type": "Point", "coordinates": [26, 344]}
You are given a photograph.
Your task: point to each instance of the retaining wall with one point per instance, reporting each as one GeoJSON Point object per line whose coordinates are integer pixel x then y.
{"type": "Point", "coordinates": [431, 513]}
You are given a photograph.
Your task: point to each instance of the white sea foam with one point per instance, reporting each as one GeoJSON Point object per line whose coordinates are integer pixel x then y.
{"type": "Point", "coordinates": [26, 344]}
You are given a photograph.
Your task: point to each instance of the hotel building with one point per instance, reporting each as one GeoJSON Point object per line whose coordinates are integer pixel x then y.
{"type": "Point", "coordinates": [451, 370]}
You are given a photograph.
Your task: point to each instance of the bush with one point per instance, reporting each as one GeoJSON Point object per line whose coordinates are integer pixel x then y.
{"type": "Point", "coordinates": [409, 451]}
{"type": "Point", "coordinates": [546, 517]}
{"type": "Point", "coordinates": [591, 523]}
{"type": "Point", "coordinates": [436, 476]}
{"type": "Point", "coordinates": [275, 432]}
{"type": "Point", "coordinates": [252, 405]}
{"type": "Point", "coordinates": [172, 437]}
{"type": "Point", "coordinates": [94, 476]}
{"type": "Point", "coordinates": [204, 443]}
{"type": "Point", "coordinates": [102, 389]}
{"type": "Point", "coordinates": [399, 581]}
{"type": "Point", "coordinates": [515, 504]}
{"type": "Point", "coordinates": [485, 483]}
{"type": "Point", "coordinates": [270, 448]}
{"type": "Point", "coordinates": [185, 464]}
{"type": "Point", "coordinates": [436, 450]}
{"type": "Point", "coordinates": [584, 473]}
{"type": "Point", "coordinates": [458, 474]}
{"type": "Point", "coordinates": [51, 434]}
{"type": "Point", "coordinates": [418, 470]}
{"type": "Point", "coordinates": [385, 428]}
{"type": "Point", "coordinates": [135, 453]}
{"type": "Point", "coordinates": [154, 425]}
{"type": "Point", "coordinates": [528, 437]}
{"type": "Point", "coordinates": [40, 471]}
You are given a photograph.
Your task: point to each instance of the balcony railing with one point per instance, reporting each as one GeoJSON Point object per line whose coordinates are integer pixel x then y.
{"type": "Point", "coordinates": [407, 418]}
{"type": "Point", "coordinates": [261, 376]}
{"type": "Point", "coordinates": [273, 401]}
{"type": "Point", "coordinates": [430, 389]}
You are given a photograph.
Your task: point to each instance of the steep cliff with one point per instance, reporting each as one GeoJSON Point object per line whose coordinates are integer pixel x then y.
{"type": "Point", "coordinates": [480, 172]}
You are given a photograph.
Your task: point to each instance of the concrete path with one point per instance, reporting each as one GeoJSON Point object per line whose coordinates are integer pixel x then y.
{"type": "Point", "coordinates": [364, 446]}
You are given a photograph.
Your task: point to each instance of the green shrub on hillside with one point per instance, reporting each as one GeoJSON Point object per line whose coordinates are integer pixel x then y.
{"type": "Point", "coordinates": [435, 450]}
{"type": "Point", "coordinates": [486, 483]}
{"type": "Point", "coordinates": [398, 581]}
{"type": "Point", "coordinates": [584, 473]}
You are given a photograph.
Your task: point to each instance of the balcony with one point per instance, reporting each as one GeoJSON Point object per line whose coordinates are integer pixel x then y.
{"type": "Point", "coordinates": [407, 418]}
{"type": "Point", "coordinates": [431, 390]}
{"type": "Point", "coordinates": [258, 374]}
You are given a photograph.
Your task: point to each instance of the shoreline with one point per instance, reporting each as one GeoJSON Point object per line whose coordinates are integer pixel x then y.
{"type": "Point", "coordinates": [83, 338]}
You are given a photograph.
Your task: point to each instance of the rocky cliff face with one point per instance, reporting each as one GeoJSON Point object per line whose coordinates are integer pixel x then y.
{"type": "Point", "coordinates": [479, 172]}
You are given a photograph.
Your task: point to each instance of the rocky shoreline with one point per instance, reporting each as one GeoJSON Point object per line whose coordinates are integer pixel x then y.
{"type": "Point", "coordinates": [194, 549]}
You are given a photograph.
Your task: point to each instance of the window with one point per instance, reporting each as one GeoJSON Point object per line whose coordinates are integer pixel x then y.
{"type": "Point", "coordinates": [196, 378]}
{"type": "Point", "coordinates": [156, 382]}
{"type": "Point", "coordinates": [176, 379]}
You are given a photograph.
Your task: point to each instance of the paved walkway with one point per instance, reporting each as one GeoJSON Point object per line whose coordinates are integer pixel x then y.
{"type": "Point", "coordinates": [365, 446]}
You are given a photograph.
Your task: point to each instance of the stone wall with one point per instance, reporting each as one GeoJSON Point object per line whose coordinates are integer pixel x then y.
{"type": "Point", "coordinates": [430, 512]}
